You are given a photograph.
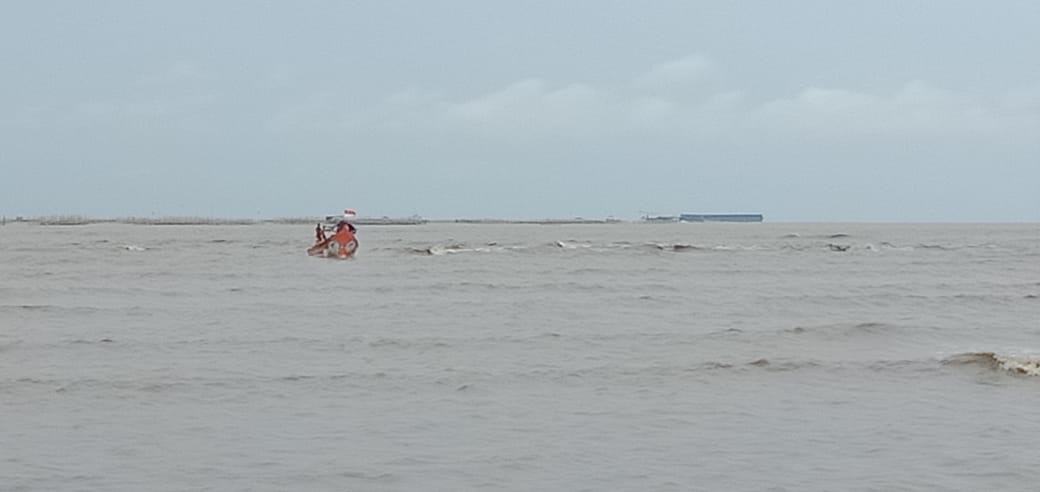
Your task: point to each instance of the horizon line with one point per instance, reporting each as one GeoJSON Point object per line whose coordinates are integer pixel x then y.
{"type": "Point", "coordinates": [75, 219]}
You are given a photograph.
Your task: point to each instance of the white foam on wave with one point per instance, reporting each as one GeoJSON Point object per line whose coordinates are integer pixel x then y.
{"type": "Point", "coordinates": [1026, 365]}
{"type": "Point", "coordinates": [440, 250]}
{"type": "Point", "coordinates": [571, 245]}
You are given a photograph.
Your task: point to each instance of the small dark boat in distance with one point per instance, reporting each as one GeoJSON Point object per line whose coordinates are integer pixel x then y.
{"type": "Point", "coordinates": [720, 218]}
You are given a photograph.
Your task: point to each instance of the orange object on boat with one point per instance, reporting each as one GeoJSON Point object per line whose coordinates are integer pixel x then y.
{"type": "Point", "coordinates": [342, 245]}
{"type": "Point", "coordinates": [347, 243]}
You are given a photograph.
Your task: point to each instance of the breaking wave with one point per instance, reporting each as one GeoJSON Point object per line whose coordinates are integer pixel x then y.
{"type": "Point", "coordinates": [571, 246]}
{"type": "Point", "coordinates": [1026, 365]}
{"type": "Point", "coordinates": [834, 244]}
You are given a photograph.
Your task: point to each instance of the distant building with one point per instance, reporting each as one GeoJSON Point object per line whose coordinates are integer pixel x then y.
{"type": "Point", "coordinates": [660, 218]}
{"type": "Point", "coordinates": [720, 218]}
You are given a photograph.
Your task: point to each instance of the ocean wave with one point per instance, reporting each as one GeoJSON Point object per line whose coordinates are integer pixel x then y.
{"type": "Point", "coordinates": [1025, 365]}
{"type": "Point", "coordinates": [48, 308]}
{"type": "Point", "coordinates": [570, 246]}
{"type": "Point", "coordinates": [80, 341]}
{"type": "Point", "coordinates": [784, 365]}
{"type": "Point", "coordinates": [889, 246]}
{"type": "Point", "coordinates": [936, 247]}
{"type": "Point", "coordinates": [455, 248]}
{"type": "Point", "coordinates": [842, 247]}
{"type": "Point", "coordinates": [746, 367]}
{"type": "Point", "coordinates": [452, 247]}
{"type": "Point", "coordinates": [847, 329]}
{"type": "Point", "coordinates": [833, 243]}
{"type": "Point", "coordinates": [678, 247]}
{"type": "Point", "coordinates": [96, 384]}
{"type": "Point", "coordinates": [761, 363]}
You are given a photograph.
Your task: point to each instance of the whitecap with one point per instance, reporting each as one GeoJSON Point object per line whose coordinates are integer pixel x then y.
{"type": "Point", "coordinates": [1026, 365]}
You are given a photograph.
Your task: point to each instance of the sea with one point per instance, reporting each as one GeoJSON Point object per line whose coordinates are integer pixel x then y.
{"type": "Point", "coordinates": [521, 357]}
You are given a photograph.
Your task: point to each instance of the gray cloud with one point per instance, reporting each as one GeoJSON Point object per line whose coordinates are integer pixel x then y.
{"type": "Point", "coordinates": [811, 112]}
{"type": "Point", "coordinates": [535, 107]}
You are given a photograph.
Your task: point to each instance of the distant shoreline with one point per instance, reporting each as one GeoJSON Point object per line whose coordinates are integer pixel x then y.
{"type": "Point", "coordinates": [76, 220]}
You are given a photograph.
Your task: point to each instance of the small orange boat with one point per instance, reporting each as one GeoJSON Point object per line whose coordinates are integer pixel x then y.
{"type": "Point", "coordinates": [341, 244]}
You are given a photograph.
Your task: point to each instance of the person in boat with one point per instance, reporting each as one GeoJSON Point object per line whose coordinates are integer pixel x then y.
{"type": "Point", "coordinates": [347, 213]}
{"type": "Point", "coordinates": [343, 223]}
{"type": "Point", "coordinates": [319, 233]}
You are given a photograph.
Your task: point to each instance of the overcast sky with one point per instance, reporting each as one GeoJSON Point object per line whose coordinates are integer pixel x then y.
{"type": "Point", "coordinates": [800, 110]}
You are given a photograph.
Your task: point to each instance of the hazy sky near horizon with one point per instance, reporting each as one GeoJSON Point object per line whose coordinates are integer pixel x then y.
{"type": "Point", "coordinates": [804, 111]}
